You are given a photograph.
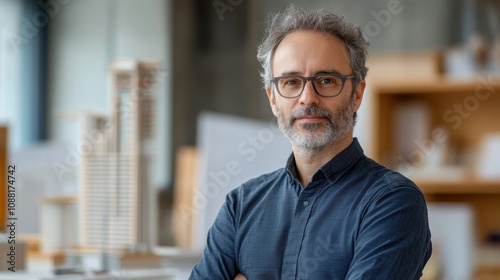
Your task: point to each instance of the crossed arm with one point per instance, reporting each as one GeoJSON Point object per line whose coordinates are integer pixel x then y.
{"type": "Point", "coordinates": [392, 242]}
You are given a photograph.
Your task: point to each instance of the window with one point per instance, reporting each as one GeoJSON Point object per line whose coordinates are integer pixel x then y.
{"type": "Point", "coordinates": [10, 70]}
{"type": "Point", "coordinates": [22, 72]}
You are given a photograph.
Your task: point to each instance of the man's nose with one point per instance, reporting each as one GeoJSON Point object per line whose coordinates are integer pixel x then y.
{"type": "Point", "coordinates": [309, 95]}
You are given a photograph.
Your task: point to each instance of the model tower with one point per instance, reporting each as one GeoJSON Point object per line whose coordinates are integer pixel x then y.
{"type": "Point", "coordinates": [117, 204]}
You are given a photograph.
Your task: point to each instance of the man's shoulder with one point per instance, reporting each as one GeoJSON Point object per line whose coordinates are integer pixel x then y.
{"type": "Point", "coordinates": [385, 189]}
{"type": "Point", "coordinates": [383, 178]}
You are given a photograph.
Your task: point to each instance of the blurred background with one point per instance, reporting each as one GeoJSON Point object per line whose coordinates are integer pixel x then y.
{"type": "Point", "coordinates": [431, 111]}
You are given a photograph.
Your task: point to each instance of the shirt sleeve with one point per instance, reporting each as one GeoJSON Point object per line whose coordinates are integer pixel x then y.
{"type": "Point", "coordinates": [219, 258]}
{"type": "Point", "coordinates": [393, 240]}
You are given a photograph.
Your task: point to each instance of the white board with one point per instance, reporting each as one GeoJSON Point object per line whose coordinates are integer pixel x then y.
{"type": "Point", "coordinates": [232, 151]}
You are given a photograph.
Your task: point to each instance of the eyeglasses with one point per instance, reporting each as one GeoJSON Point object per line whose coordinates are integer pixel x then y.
{"type": "Point", "coordinates": [326, 85]}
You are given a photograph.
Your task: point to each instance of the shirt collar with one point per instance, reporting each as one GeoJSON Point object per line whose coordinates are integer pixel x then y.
{"type": "Point", "coordinates": [333, 168]}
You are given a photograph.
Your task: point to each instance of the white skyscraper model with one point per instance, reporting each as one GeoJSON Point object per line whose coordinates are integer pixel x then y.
{"type": "Point", "coordinates": [118, 208]}
{"type": "Point", "coordinates": [59, 226]}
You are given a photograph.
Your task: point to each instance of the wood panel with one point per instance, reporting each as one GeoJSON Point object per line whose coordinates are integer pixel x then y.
{"type": "Point", "coordinates": [183, 208]}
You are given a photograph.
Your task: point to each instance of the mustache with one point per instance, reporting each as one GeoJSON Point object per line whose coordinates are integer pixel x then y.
{"type": "Point", "coordinates": [309, 111]}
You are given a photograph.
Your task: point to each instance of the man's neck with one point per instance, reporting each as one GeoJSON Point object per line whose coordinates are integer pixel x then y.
{"type": "Point", "coordinates": [309, 161]}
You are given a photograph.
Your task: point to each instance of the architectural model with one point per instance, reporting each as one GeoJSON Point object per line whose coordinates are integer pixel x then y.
{"type": "Point", "coordinates": [117, 204]}
{"type": "Point", "coordinates": [59, 227]}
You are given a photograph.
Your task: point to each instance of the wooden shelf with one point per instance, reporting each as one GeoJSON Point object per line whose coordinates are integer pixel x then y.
{"type": "Point", "coordinates": [437, 86]}
{"type": "Point", "coordinates": [458, 187]}
{"type": "Point", "coordinates": [452, 105]}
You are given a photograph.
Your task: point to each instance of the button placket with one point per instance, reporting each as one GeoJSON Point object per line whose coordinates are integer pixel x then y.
{"type": "Point", "coordinates": [297, 231]}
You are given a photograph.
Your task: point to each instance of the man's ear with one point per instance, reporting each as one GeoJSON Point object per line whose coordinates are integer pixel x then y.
{"type": "Point", "coordinates": [358, 94]}
{"type": "Point", "coordinates": [272, 100]}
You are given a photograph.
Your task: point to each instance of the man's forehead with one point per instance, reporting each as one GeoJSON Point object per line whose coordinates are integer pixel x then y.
{"type": "Point", "coordinates": [326, 51]}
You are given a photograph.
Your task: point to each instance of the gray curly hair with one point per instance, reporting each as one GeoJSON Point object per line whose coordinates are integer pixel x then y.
{"type": "Point", "coordinates": [293, 19]}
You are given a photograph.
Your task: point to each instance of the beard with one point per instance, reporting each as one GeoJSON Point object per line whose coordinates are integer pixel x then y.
{"type": "Point", "coordinates": [316, 135]}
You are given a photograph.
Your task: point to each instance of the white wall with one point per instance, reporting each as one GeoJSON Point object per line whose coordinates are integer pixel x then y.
{"type": "Point", "coordinates": [84, 37]}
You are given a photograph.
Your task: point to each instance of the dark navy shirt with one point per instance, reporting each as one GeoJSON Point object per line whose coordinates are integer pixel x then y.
{"type": "Point", "coordinates": [354, 220]}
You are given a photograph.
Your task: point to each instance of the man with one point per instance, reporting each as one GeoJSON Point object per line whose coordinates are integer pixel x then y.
{"type": "Point", "coordinates": [331, 213]}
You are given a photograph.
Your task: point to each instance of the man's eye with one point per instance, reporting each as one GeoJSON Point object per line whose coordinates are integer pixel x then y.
{"type": "Point", "coordinates": [292, 82]}
{"type": "Point", "coordinates": [328, 81]}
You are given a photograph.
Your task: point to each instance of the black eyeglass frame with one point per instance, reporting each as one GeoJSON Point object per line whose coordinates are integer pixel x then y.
{"type": "Point", "coordinates": [344, 78]}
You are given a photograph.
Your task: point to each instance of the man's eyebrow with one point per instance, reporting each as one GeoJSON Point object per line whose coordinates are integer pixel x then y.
{"type": "Point", "coordinates": [325, 71]}
{"type": "Point", "coordinates": [291, 73]}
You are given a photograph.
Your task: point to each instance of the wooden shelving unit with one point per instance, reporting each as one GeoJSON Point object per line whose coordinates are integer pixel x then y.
{"type": "Point", "coordinates": [480, 100]}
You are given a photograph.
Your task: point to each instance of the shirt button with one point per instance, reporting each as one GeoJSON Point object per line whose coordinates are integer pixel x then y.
{"type": "Point", "coordinates": [305, 203]}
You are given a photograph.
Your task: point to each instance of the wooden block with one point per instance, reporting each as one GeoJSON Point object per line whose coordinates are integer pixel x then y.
{"type": "Point", "coordinates": [32, 242]}
{"type": "Point", "coordinates": [138, 260]}
{"type": "Point", "coordinates": [183, 210]}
